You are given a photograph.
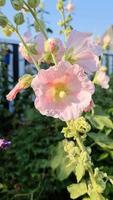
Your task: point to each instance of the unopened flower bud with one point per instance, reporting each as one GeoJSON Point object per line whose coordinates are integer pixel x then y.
{"type": "Point", "coordinates": [2, 2]}
{"type": "Point", "coordinates": [3, 20]}
{"type": "Point", "coordinates": [51, 45]}
{"type": "Point", "coordinates": [60, 5]}
{"type": "Point", "coordinates": [17, 5]}
{"type": "Point", "coordinates": [23, 83]}
{"type": "Point", "coordinates": [8, 30]}
{"type": "Point", "coordinates": [33, 3]}
{"type": "Point", "coordinates": [19, 18]}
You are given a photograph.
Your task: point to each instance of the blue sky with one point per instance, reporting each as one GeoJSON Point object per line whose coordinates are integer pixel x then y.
{"type": "Point", "coordinates": [93, 16]}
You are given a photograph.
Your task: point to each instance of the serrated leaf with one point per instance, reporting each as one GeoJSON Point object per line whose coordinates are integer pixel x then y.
{"type": "Point", "coordinates": [80, 171]}
{"type": "Point", "coordinates": [102, 140]}
{"type": "Point", "coordinates": [77, 190]}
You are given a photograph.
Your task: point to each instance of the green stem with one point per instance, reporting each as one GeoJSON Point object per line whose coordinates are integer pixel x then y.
{"type": "Point", "coordinates": [53, 57]}
{"type": "Point", "coordinates": [65, 27]}
{"type": "Point", "coordinates": [37, 20]}
{"type": "Point", "coordinates": [26, 47]}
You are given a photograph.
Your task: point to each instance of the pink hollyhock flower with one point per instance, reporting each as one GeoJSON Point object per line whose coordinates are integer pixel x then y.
{"type": "Point", "coordinates": [12, 94]}
{"type": "Point", "coordinates": [70, 7]}
{"type": "Point", "coordinates": [62, 91]}
{"type": "Point", "coordinates": [82, 50]}
{"type": "Point", "coordinates": [102, 79]}
{"type": "Point", "coordinates": [36, 48]}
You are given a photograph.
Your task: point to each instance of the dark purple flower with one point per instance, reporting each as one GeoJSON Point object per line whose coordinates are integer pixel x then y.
{"type": "Point", "coordinates": [4, 144]}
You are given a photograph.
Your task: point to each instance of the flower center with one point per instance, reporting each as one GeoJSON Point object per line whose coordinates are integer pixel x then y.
{"type": "Point", "coordinates": [60, 91]}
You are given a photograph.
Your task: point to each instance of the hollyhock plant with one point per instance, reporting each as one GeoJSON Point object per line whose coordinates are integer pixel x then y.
{"type": "Point", "coordinates": [62, 91]}
{"type": "Point", "coordinates": [82, 50]}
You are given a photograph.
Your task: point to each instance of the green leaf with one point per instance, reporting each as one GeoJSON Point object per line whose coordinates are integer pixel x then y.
{"type": "Point", "coordinates": [80, 171]}
{"type": "Point", "coordinates": [103, 156]}
{"type": "Point", "coordinates": [102, 140]}
{"type": "Point", "coordinates": [99, 121]}
{"type": "Point", "coordinates": [77, 190]}
{"type": "Point", "coordinates": [61, 163]}
{"type": "Point", "coordinates": [96, 196]}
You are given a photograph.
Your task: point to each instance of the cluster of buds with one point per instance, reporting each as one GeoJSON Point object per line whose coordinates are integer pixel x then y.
{"type": "Point", "coordinates": [67, 18]}
{"type": "Point", "coordinates": [71, 150]}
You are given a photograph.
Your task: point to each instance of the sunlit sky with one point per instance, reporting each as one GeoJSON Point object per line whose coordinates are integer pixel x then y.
{"type": "Point", "coordinates": [90, 15]}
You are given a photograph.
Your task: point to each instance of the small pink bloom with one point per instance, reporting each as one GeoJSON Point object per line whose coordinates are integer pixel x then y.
{"type": "Point", "coordinates": [70, 7]}
{"type": "Point", "coordinates": [36, 48]}
{"type": "Point", "coordinates": [62, 91]}
{"type": "Point", "coordinates": [84, 50]}
{"type": "Point", "coordinates": [12, 94]}
{"type": "Point", "coordinates": [102, 79]}
{"type": "Point", "coordinates": [89, 107]}
{"type": "Point", "coordinates": [24, 82]}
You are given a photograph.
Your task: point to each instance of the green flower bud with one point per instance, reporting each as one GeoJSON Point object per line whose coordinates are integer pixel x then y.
{"type": "Point", "coordinates": [17, 4]}
{"type": "Point", "coordinates": [3, 20]}
{"type": "Point", "coordinates": [19, 18]}
{"type": "Point", "coordinates": [60, 5]}
{"type": "Point", "coordinates": [2, 2]}
{"type": "Point", "coordinates": [25, 80]}
{"type": "Point", "coordinates": [8, 30]}
{"type": "Point", "coordinates": [33, 3]}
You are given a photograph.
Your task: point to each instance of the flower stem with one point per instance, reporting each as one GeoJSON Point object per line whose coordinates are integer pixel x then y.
{"type": "Point", "coordinates": [65, 27]}
{"type": "Point", "coordinates": [37, 20]}
{"type": "Point", "coordinates": [54, 59]}
{"type": "Point", "coordinates": [26, 47]}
